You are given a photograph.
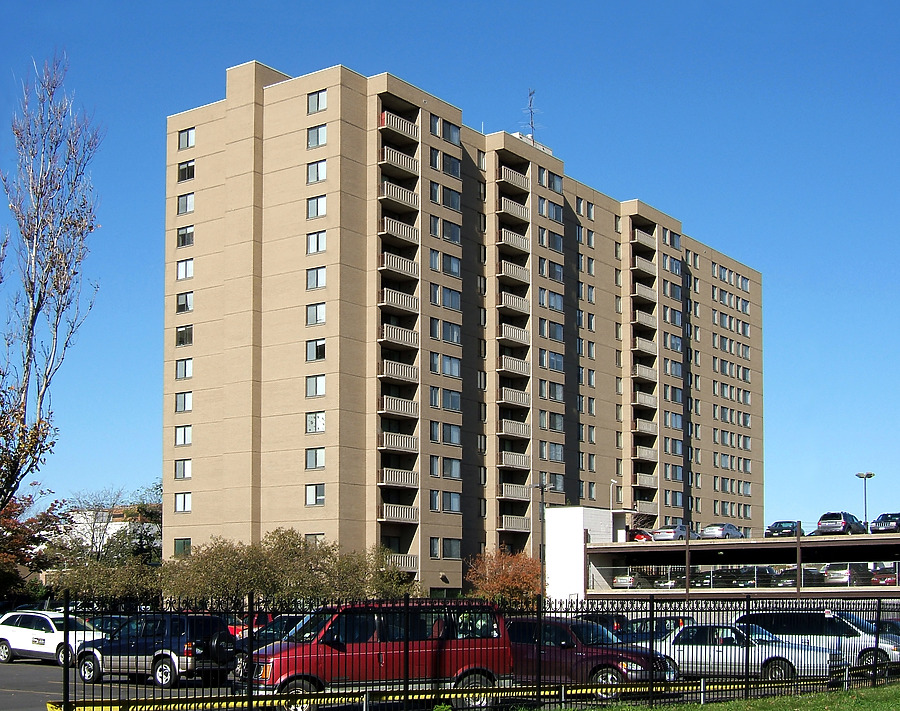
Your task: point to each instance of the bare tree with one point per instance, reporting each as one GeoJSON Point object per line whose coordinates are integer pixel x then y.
{"type": "Point", "coordinates": [91, 521]}
{"type": "Point", "coordinates": [51, 199]}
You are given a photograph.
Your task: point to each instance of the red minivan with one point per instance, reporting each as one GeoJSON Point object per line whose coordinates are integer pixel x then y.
{"type": "Point", "coordinates": [452, 645]}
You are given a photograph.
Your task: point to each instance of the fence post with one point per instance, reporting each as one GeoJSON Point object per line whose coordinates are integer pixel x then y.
{"type": "Point", "coordinates": [540, 646]}
{"type": "Point", "coordinates": [248, 661]}
{"type": "Point", "coordinates": [877, 656]}
{"type": "Point", "coordinates": [652, 616]}
{"type": "Point", "coordinates": [406, 651]}
{"type": "Point", "coordinates": [747, 650]}
{"type": "Point", "coordinates": [66, 660]}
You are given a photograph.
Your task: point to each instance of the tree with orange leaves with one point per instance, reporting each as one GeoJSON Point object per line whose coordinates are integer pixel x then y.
{"type": "Point", "coordinates": [505, 578]}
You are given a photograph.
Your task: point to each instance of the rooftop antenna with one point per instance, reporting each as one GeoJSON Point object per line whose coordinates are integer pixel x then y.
{"type": "Point", "coordinates": [531, 112]}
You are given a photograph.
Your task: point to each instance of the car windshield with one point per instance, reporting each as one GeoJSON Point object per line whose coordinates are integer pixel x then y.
{"type": "Point", "coordinates": [280, 625]}
{"type": "Point", "coordinates": [758, 634]}
{"type": "Point", "coordinates": [590, 633]}
{"type": "Point", "coordinates": [783, 524]}
{"type": "Point", "coordinates": [830, 517]}
{"type": "Point", "coordinates": [858, 622]}
{"type": "Point", "coordinates": [889, 517]}
{"type": "Point", "coordinates": [309, 629]}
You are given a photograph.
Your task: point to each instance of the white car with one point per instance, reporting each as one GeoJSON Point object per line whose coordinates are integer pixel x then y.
{"type": "Point", "coordinates": [672, 533]}
{"type": "Point", "coordinates": [36, 634]}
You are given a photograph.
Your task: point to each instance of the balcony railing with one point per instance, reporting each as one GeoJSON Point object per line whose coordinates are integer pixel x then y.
{"type": "Point", "coordinates": [399, 336]}
{"type": "Point", "coordinates": [398, 513]}
{"type": "Point", "coordinates": [645, 399]}
{"type": "Point", "coordinates": [394, 370]}
{"type": "Point", "coordinates": [400, 230]}
{"type": "Point", "coordinates": [398, 442]}
{"type": "Point", "coordinates": [643, 265]}
{"type": "Point", "coordinates": [399, 300]}
{"type": "Point", "coordinates": [406, 478]}
{"type": "Point", "coordinates": [512, 428]}
{"type": "Point", "coordinates": [511, 396]}
{"type": "Point", "coordinates": [390, 405]}
{"type": "Point", "coordinates": [644, 346]}
{"type": "Point", "coordinates": [517, 366]}
{"type": "Point", "coordinates": [514, 460]}
{"type": "Point", "coordinates": [642, 291]}
{"type": "Point", "coordinates": [407, 562]}
{"type": "Point", "coordinates": [514, 177]}
{"type": "Point", "coordinates": [646, 507]}
{"type": "Point", "coordinates": [514, 209]}
{"type": "Point", "coordinates": [511, 302]}
{"type": "Point", "coordinates": [518, 492]}
{"type": "Point", "coordinates": [399, 265]}
{"type": "Point", "coordinates": [643, 238]}
{"type": "Point", "coordinates": [400, 125]}
{"type": "Point", "coordinates": [399, 160]}
{"type": "Point", "coordinates": [647, 481]}
{"type": "Point", "coordinates": [644, 372]}
{"type": "Point", "coordinates": [398, 195]}
{"type": "Point", "coordinates": [644, 427]}
{"type": "Point", "coordinates": [643, 318]}
{"type": "Point", "coordinates": [647, 454]}
{"type": "Point", "coordinates": [514, 334]}
{"type": "Point", "coordinates": [515, 523]}
{"type": "Point", "coordinates": [515, 240]}
{"type": "Point", "coordinates": [514, 272]}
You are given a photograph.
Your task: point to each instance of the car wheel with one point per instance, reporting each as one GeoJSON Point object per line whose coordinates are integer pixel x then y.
{"type": "Point", "coordinates": [606, 677]}
{"type": "Point", "coordinates": [475, 700]}
{"type": "Point", "coordinates": [6, 655]}
{"type": "Point", "coordinates": [876, 658]}
{"type": "Point", "coordinates": [165, 675]}
{"type": "Point", "coordinates": [61, 655]}
{"type": "Point", "coordinates": [778, 670]}
{"type": "Point", "coordinates": [89, 669]}
{"type": "Point", "coordinates": [299, 686]}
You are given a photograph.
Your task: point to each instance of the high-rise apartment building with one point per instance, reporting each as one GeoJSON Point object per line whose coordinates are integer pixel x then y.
{"type": "Point", "coordinates": [384, 327]}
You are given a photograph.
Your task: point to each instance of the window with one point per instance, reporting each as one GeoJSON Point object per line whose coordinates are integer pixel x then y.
{"type": "Point", "coordinates": [451, 502]}
{"type": "Point", "coordinates": [315, 422]}
{"type": "Point", "coordinates": [184, 402]}
{"type": "Point", "coordinates": [184, 368]}
{"type": "Point", "coordinates": [316, 136]}
{"type": "Point", "coordinates": [186, 138]}
{"type": "Point", "coordinates": [451, 165]}
{"type": "Point", "coordinates": [452, 468]}
{"type": "Point", "coordinates": [315, 314]}
{"type": "Point", "coordinates": [182, 547]}
{"type": "Point", "coordinates": [480, 160]}
{"type": "Point", "coordinates": [450, 132]}
{"type": "Point", "coordinates": [183, 435]}
{"type": "Point", "coordinates": [452, 400]}
{"type": "Point", "coordinates": [317, 101]}
{"type": "Point", "coordinates": [554, 271]}
{"type": "Point", "coordinates": [452, 265]}
{"type": "Point", "coordinates": [315, 278]}
{"type": "Point", "coordinates": [315, 385]}
{"type": "Point", "coordinates": [554, 211]}
{"type": "Point", "coordinates": [315, 494]}
{"type": "Point", "coordinates": [185, 203]}
{"type": "Point", "coordinates": [451, 332]}
{"type": "Point", "coordinates": [554, 182]}
{"type": "Point", "coordinates": [315, 242]}
{"type": "Point", "coordinates": [555, 241]}
{"type": "Point", "coordinates": [451, 198]}
{"type": "Point", "coordinates": [315, 207]}
{"type": "Point", "coordinates": [315, 349]}
{"type": "Point", "coordinates": [452, 232]}
{"type": "Point", "coordinates": [184, 269]}
{"type": "Point", "coordinates": [182, 468]}
{"type": "Point", "coordinates": [452, 299]}
{"type": "Point", "coordinates": [434, 547]}
{"type": "Point", "coordinates": [315, 458]}
{"type": "Point", "coordinates": [184, 302]}
{"type": "Point", "coordinates": [452, 434]}
{"type": "Point", "coordinates": [185, 236]}
{"type": "Point", "coordinates": [451, 366]}
{"type": "Point", "coordinates": [183, 502]}
{"type": "Point", "coordinates": [452, 548]}
{"type": "Point", "coordinates": [184, 335]}
{"type": "Point", "coordinates": [555, 301]}
{"type": "Point", "coordinates": [185, 171]}
{"type": "Point", "coordinates": [316, 172]}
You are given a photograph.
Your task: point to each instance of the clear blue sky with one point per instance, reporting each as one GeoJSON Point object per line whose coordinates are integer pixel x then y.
{"type": "Point", "coordinates": [770, 129]}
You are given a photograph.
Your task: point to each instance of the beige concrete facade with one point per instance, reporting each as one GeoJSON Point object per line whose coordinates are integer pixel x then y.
{"type": "Point", "coordinates": [384, 327]}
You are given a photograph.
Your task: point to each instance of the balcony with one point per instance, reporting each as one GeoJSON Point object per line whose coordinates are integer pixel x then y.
{"type": "Point", "coordinates": [392, 123]}
{"type": "Point", "coordinates": [644, 399]}
{"type": "Point", "coordinates": [512, 428]}
{"type": "Point", "coordinates": [643, 266]}
{"type": "Point", "coordinates": [394, 162]}
{"type": "Point", "coordinates": [509, 335]}
{"type": "Point", "coordinates": [645, 454]}
{"type": "Point", "coordinates": [509, 272]}
{"type": "Point", "coordinates": [397, 198]}
{"type": "Point", "coordinates": [512, 209]}
{"type": "Point", "coordinates": [507, 365]}
{"type": "Point", "coordinates": [644, 345]}
{"type": "Point", "coordinates": [405, 562]}
{"type": "Point", "coordinates": [403, 478]}
{"type": "Point", "coordinates": [397, 442]}
{"type": "Point", "coordinates": [514, 460]}
{"type": "Point", "coordinates": [646, 481]}
{"type": "Point", "coordinates": [644, 239]}
{"type": "Point", "coordinates": [397, 513]}
{"type": "Point", "coordinates": [514, 240]}
{"type": "Point", "coordinates": [647, 427]}
{"type": "Point", "coordinates": [644, 293]}
{"type": "Point", "coordinates": [519, 524]}
{"type": "Point", "coordinates": [642, 372]}
{"type": "Point", "coordinates": [643, 318]}
{"type": "Point", "coordinates": [398, 337]}
{"type": "Point", "coordinates": [646, 507]}
{"type": "Point", "coordinates": [398, 302]}
{"type": "Point", "coordinates": [397, 265]}
{"type": "Point", "coordinates": [514, 492]}
{"type": "Point", "coordinates": [398, 406]}
{"type": "Point", "coordinates": [398, 231]}
{"type": "Point", "coordinates": [514, 398]}
{"type": "Point", "coordinates": [512, 304]}
{"type": "Point", "coordinates": [392, 370]}
{"type": "Point", "coordinates": [514, 178]}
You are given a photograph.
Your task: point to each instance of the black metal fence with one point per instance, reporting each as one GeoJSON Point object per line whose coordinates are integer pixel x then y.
{"type": "Point", "coordinates": [468, 653]}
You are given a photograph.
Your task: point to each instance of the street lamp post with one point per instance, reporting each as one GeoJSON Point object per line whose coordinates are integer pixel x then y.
{"type": "Point", "coordinates": [865, 476]}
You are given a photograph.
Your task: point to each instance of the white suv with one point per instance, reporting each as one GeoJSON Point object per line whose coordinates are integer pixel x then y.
{"type": "Point", "coordinates": [35, 634]}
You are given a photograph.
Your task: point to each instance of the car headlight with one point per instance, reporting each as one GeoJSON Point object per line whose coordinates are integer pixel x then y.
{"type": "Point", "coordinates": [632, 666]}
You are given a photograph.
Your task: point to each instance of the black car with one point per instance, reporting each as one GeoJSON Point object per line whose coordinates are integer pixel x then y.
{"type": "Point", "coordinates": [787, 578]}
{"type": "Point", "coordinates": [166, 646]}
{"type": "Point", "coordinates": [886, 523]}
{"type": "Point", "coordinates": [783, 528]}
